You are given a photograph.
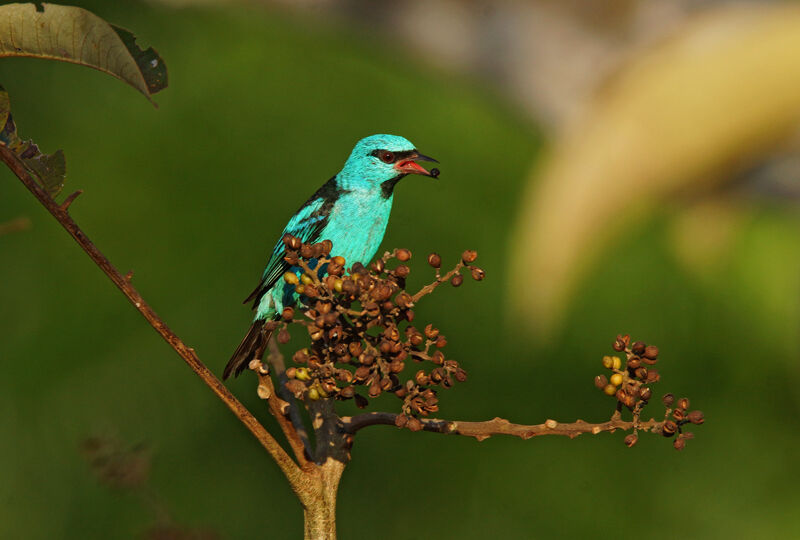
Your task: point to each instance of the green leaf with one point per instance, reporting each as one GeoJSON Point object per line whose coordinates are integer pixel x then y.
{"type": "Point", "coordinates": [72, 34]}
{"type": "Point", "coordinates": [48, 169]}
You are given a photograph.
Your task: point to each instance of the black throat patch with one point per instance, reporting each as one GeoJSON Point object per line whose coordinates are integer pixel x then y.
{"type": "Point", "coordinates": [387, 186]}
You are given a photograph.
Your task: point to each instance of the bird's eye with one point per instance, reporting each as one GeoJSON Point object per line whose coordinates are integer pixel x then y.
{"type": "Point", "coordinates": [386, 156]}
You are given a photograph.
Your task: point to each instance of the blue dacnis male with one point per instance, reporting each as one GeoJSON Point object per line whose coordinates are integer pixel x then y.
{"type": "Point", "coordinates": [351, 210]}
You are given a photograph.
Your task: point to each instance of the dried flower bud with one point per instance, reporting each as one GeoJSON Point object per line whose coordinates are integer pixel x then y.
{"type": "Point", "coordinates": [441, 342]}
{"type": "Point", "coordinates": [288, 313]}
{"type": "Point", "coordinates": [306, 251]}
{"type": "Point", "coordinates": [460, 375]}
{"type": "Point", "coordinates": [361, 401]}
{"type": "Point", "coordinates": [679, 443]}
{"type": "Point", "coordinates": [469, 256]}
{"type": "Point", "coordinates": [668, 400]}
{"type": "Point", "coordinates": [431, 332]}
{"type": "Point", "coordinates": [638, 348]}
{"type": "Point", "coordinates": [347, 392]}
{"type": "Point", "coordinates": [291, 257]}
{"type": "Point", "coordinates": [457, 280]}
{"type": "Point", "coordinates": [477, 273]}
{"type": "Point", "coordinates": [403, 255]}
{"type": "Point", "coordinates": [683, 403]}
{"type": "Point", "coordinates": [291, 372]}
{"type": "Point", "coordinates": [651, 352]}
{"type": "Point", "coordinates": [652, 376]}
{"type": "Point", "coordinates": [378, 266]}
{"type": "Point", "coordinates": [641, 373]}
{"type": "Point", "coordinates": [401, 420]}
{"type": "Point", "coordinates": [414, 424]}
{"type": "Point", "coordinates": [645, 393]}
{"type": "Point", "coordinates": [326, 246]}
{"type": "Point", "coordinates": [696, 417]}
{"type": "Point", "coordinates": [600, 381]}
{"type": "Point", "coordinates": [669, 428]}
{"type": "Point", "coordinates": [631, 439]}
{"type": "Point", "coordinates": [402, 271]}
{"type": "Point", "coordinates": [296, 388]}
{"type": "Point", "coordinates": [634, 362]}
{"type": "Point", "coordinates": [292, 242]}
{"type": "Point", "coordinates": [678, 414]}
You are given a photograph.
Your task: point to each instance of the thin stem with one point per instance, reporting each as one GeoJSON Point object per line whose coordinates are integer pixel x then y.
{"type": "Point", "coordinates": [500, 426]}
{"type": "Point", "coordinates": [430, 287]}
{"type": "Point", "coordinates": [287, 465]}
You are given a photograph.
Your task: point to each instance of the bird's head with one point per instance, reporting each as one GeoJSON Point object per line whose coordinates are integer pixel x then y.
{"type": "Point", "coordinates": [380, 161]}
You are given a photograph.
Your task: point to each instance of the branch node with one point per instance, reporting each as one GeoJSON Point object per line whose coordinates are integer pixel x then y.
{"type": "Point", "coordinates": [129, 276]}
{"type": "Point", "coordinates": [264, 392]}
{"type": "Point", "coordinates": [551, 424]}
{"type": "Point", "coordinates": [69, 200]}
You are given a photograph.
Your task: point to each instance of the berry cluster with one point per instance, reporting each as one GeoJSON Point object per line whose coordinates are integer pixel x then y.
{"type": "Point", "coordinates": [680, 416]}
{"type": "Point", "coordinates": [360, 325]}
{"type": "Point", "coordinates": [630, 385]}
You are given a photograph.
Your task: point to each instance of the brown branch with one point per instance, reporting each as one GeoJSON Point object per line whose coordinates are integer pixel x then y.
{"type": "Point", "coordinates": [430, 287]}
{"type": "Point", "coordinates": [500, 426]}
{"type": "Point", "coordinates": [287, 465]}
{"type": "Point", "coordinates": [280, 410]}
{"type": "Point", "coordinates": [275, 359]}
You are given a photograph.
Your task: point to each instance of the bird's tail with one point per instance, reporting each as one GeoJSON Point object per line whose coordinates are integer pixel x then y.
{"type": "Point", "coordinates": [252, 346]}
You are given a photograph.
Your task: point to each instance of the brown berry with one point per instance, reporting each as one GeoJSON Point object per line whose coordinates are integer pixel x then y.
{"type": "Point", "coordinates": [457, 280]}
{"type": "Point", "coordinates": [651, 352]}
{"type": "Point", "coordinates": [469, 256]}
{"type": "Point", "coordinates": [631, 439]}
{"type": "Point", "coordinates": [696, 417]}
{"type": "Point", "coordinates": [600, 381]}
{"type": "Point", "coordinates": [403, 255]}
{"type": "Point", "coordinates": [434, 260]}
{"type": "Point", "coordinates": [668, 400]}
{"type": "Point", "coordinates": [288, 313]}
{"type": "Point", "coordinates": [638, 348]}
{"type": "Point", "coordinates": [402, 271]}
{"type": "Point", "coordinates": [679, 443]}
{"type": "Point", "coordinates": [683, 403]}
{"type": "Point", "coordinates": [477, 273]}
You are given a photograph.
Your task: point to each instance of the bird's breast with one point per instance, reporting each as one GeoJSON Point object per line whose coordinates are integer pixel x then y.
{"type": "Point", "coordinates": [356, 226]}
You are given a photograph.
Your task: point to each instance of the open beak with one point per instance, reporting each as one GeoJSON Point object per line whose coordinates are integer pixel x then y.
{"type": "Point", "coordinates": [409, 165]}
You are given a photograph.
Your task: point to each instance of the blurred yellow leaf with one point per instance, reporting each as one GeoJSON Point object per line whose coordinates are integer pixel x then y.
{"type": "Point", "coordinates": [72, 34]}
{"type": "Point", "coordinates": [715, 97]}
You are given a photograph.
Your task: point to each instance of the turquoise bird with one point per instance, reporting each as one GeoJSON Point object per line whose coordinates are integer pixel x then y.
{"type": "Point", "coordinates": [351, 210]}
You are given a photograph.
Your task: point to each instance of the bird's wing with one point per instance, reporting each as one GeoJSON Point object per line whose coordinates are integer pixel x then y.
{"type": "Point", "coordinates": [307, 225]}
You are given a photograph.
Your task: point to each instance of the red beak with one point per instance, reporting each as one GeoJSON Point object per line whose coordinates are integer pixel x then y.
{"type": "Point", "coordinates": [409, 165]}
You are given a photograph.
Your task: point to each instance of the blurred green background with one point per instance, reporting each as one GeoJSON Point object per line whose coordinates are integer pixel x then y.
{"type": "Point", "coordinates": [263, 105]}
